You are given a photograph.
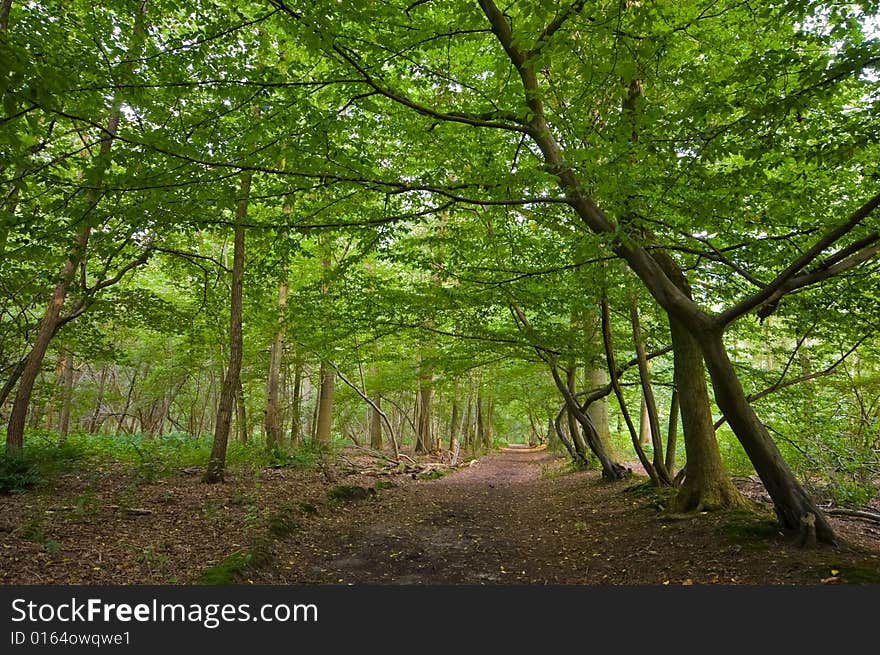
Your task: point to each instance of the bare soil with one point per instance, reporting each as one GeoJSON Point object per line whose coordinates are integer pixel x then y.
{"type": "Point", "coordinates": [512, 517]}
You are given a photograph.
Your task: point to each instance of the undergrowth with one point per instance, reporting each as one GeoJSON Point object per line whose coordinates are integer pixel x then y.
{"type": "Point", "coordinates": [148, 458]}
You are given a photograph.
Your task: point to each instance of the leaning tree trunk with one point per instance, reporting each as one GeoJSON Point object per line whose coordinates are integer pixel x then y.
{"type": "Point", "coordinates": [792, 504]}
{"type": "Point", "coordinates": [76, 256]}
{"type": "Point", "coordinates": [577, 437]}
{"type": "Point", "coordinates": [648, 401]}
{"type": "Point", "coordinates": [232, 380]}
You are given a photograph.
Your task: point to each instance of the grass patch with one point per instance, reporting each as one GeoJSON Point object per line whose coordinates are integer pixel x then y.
{"type": "Point", "coordinates": [227, 570]}
{"type": "Point", "coordinates": [755, 529]}
{"type": "Point", "coordinates": [559, 468]}
{"type": "Point", "coordinates": [350, 493]}
{"type": "Point", "coordinates": [259, 553]}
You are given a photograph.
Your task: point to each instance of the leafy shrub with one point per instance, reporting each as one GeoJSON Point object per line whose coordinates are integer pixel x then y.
{"type": "Point", "coordinates": [17, 473]}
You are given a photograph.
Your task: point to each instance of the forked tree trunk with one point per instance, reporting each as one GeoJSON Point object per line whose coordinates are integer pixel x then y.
{"type": "Point", "coordinates": [232, 380]}
{"type": "Point", "coordinates": [706, 485]}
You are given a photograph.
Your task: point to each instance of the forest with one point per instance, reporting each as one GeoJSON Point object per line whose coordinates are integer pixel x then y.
{"type": "Point", "coordinates": [418, 291]}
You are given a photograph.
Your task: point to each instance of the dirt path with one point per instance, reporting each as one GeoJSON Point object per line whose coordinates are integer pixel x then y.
{"type": "Point", "coordinates": [502, 522]}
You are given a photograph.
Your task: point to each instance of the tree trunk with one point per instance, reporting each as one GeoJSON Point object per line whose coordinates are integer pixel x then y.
{"type": "Point", "coordinates": [50, 320]}
{"type": "Point", "coordinates": [791, 502]}
{"type": "Point", "coordinates": [672, 434]}
{"type": "Point", "coordinates": [577, 438]}
{"type": "Point", "coordinates": [94, 421]}
{"type": "Point", "coordinates": [608, 343]}
{"type": "Point", "coordinates": [467, 430]}
{"type": "Point", "coordinates": [274, 432]}
{"type": "Point", "coordinates": [454, 421]}
{"type": "Point", "coordinates": [598, 410]}
{"type": "Point", "coordinates": [648, 396]}
{"type": "Point", "coordinates": [425, 442]}
{"type": "Point", "coordinates": [67, 382]}
{"type": "Point", "coordinates": [324, 421]}
{"type": "Point", "coordinates": [376, 425]}
{"type": "Point", "coordinates": [645, 435]}
{"type": "Point", "coordinates": [706, 485]}
{"type": "Point", "coordinates": [296, 425]}
{"type": "Point", "coordinates": [60, 371]}
{"type": "Point", "coordinates": [241, 425]}
{"type": "Point", "coordinates": [231, 381]}
{"type": "Point", "coordinates": [375, 413]}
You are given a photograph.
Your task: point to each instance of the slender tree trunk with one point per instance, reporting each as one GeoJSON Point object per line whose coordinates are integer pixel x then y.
{"type": "Point", "coordinates": [274, 433]}
{"type": "Point", "coordinates": [241, 425]}
{"type": "Point", "coordinates": [18, 416]}
{"type": "Point", "coordinates": [618, 391]}
{"type": "Point", "coordinates": [648, 396]}
{"type": "Point", "coordinates": [60, 371]}
{"type": "Point", "coordinates": [296, 425]}
{"type": "Point", "coordinates": [672, 433]}
{"type": "Point", "coordinates": [67, 382]}
{"type": "Point", "coordinates": [99, 402]}
{"type": "Point", "coordinates": [467, 425]}
{"type": "Point", "coordinates": [454, 421]}
{"type": "Point", "coordinates": [645, 436]}
{"type": "Point", "coordinates": [577, 438]}
{"type": "Point", "coordinates": [425, 442]}
{"type": "Point", "coordinates": [231, 381]}
{"type": "Point", "coordinates": [375, 414]}
{"type": "Point", "coordinates": [325, 405]}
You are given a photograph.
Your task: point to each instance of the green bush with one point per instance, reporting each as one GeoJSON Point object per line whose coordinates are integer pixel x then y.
{"type": "Point", "coordinates": [17, 473]}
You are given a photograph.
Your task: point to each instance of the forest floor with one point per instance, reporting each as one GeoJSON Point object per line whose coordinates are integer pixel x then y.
{"type": "Point", "coordinates": [512, 517]}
